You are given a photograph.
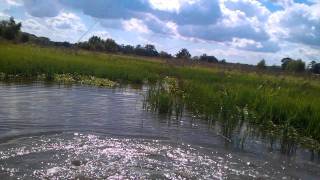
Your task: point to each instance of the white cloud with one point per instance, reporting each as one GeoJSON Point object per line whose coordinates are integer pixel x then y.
{"type": "Point", "coordinates": [64, 27]}
{"type": "Point", "coordinates": [14, 2]}
{"type": "Point", "coordinates": [172, 5]}
{"type": "Point", "coordinates": [284, 3]}
{"type": "Point", "coordinates": [135, 25]}
{"type": "Point", "coordinates": [235, 55]}
{"type": "Point", "coordinates": [250, 8]}
{"type": "Point", "coordinates": [241, 25]}
{"type": "Point", "coordinates": [3, 16]}
{"type": "Point", "coordinates": [299, 23]}
{"type": "Point", "coordinates": [66, 21]}
{"type": "Point", "coordinates": [242, 43]}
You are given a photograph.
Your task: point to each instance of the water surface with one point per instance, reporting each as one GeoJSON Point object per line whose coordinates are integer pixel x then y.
{"type": "Point", "coordinates": [58, 132]}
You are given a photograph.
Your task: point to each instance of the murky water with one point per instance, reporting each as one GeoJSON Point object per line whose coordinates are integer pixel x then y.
{"type": "Point", "coordinates": [56, 132]}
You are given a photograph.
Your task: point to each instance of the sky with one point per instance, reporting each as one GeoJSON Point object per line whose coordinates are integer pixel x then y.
{"type": "Point", "coordinates": [243, 31]}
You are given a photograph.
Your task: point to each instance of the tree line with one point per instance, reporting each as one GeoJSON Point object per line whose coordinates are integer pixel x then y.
{"type": "Point", "coordinates": [294, 65]}
{"type": "Point", "coordinates": [11, 30]}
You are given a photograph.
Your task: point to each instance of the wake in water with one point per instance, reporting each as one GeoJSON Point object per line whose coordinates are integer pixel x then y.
{"type": "Point", "coordinates": [84, 156]}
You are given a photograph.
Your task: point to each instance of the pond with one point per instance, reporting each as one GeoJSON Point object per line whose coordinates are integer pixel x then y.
{"type": "Point", "coordinates": [59, 132]}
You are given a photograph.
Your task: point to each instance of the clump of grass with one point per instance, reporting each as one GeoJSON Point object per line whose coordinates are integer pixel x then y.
{"type": "Point", "coordinates": [166, 98]}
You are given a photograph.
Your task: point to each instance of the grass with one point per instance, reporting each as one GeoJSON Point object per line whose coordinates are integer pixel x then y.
{"type": "Point", "coordinates": [286, 107]}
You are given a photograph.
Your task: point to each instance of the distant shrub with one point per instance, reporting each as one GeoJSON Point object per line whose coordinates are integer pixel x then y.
{"type": "Point", "coordinates": [262, 64]}
{"type": "Point", "coordinates": [183, 54]}
{"type": "Point", "coordinates": [292, 65]}
{"type": "Point", "coordinates": [9, 29]}
{"type": "Point", "coordinates": [164, 54]}
{"type": "Point", "coordinates": [210, 59]}
{"type": "Point", "coordinates": [315, 68]}
{"type": "Point", "coordinates": [24, 37]}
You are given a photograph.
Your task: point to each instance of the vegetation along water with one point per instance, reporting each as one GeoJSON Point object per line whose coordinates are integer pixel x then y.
{"type": "Point", "coordinates": [282, 108]}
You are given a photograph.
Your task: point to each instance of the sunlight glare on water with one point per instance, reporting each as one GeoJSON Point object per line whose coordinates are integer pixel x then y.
{"type": "Point", "coordinates": [91, 156]}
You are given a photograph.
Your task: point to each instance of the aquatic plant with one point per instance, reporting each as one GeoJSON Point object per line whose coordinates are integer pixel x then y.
{"type": "Point", "coordinates": [270, 113]}
{"type": "Point", "coordinates": [84, 80]}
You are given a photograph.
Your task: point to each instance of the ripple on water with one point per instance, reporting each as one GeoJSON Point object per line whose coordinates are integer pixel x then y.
{"type": "Point", "coordinates": [77, 155]}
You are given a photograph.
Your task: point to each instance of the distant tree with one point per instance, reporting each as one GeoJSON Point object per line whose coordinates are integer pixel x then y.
{"type": "Point", "coordinates": [139, 50]}
{"type": "Point", "coordinates": [164, 54]}
{"type": "Point", "coordinates": [261, 64]}
{"type": "Point", "coordinates": [183, 54]}
{"type": "Point", "coordinates": [24, 37]}
{"type": "Point", "coordinates": [96, 43]}
{"type": "Point", "coordinates": [314, 67]}
{"type": "Point", "coordinates": [150, 50]}
{"type": "Point", "coordinates": [285, 62]}
{"type": "Point", "coordinates": [292, 65]}
{"type": "Point", "coordinates": [43, 41]}
{"type": "Point", "coordinates": [9, 29]}
{"type": "Point", "coordinates": [111, 46]}
{"type": "Point", "coordinates": [127, 49]}
{"type": "Point", "coordinates": [223, 61]}
{"type": "Point", "coordinates": [210, 59]}
{"type": "Point", "coordinates": [63, 44]}
{"type": "Point", "coordinates": [311, 64]}
{"type": "Point", "coordinates": [147, 50]}
{"type": "Point", "coordinates": [83, 45]}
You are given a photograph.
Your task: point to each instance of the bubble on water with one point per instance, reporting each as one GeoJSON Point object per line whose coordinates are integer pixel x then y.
{"type": "Point", "coordinates": [53, 171]}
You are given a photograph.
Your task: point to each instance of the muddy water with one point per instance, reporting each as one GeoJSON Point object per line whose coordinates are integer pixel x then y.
{"type": "Point", "coordinates": [57, 132]}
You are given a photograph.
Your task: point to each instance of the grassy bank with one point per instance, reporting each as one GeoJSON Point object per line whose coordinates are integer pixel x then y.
{"type": "Point", "coordinates": [284, 106]}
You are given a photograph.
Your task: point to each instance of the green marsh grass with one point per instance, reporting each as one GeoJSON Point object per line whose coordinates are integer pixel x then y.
{"type": "Point", "coordinates": [282, 107]}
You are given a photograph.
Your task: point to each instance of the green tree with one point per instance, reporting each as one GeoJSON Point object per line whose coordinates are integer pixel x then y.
{"type": "Point", "coordinates": [96, 43]}
{"type": "Point", "coordinates": [164, 54]}
{"type": "Point", "coordinates": [261, 64]}
{"type": "Point", "coordinates": [311, 64]}
{"type": "Point", "coordinates": [127, 49]}
{"type": "Point", "coordinates": [292, 65]}
{"type": "Point", "coordinates": [150, 50]}
{"type": "Point", "coordinates": [314, 67]}
{"type": "Point", "coordinates": [111, 46]}
{"type": "Point", "coordinates": [9, 29]}
{"type": "Point", "coordinates": [296, 66]}
{"type": "Point", "coordinates": [183, 54]}
{"type": "Point", "coordinates": [285, 62]}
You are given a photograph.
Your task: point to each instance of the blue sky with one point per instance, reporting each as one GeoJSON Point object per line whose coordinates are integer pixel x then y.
{"type": "Point", "coordinates": [244, 31]}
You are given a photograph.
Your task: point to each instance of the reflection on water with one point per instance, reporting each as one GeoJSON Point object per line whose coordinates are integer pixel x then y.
{"type": "Point", "coordinates": [51, 131]}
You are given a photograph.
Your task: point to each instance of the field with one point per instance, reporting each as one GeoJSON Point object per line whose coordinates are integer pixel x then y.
{"type": "Point", "coordinates": [283, 108]}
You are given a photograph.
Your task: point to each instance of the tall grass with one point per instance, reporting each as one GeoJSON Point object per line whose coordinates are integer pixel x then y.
{"type": "Point", "coordinates": [277, 106]}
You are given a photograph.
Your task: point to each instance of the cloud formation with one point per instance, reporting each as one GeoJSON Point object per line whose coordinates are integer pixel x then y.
{"type": "Point", "coordinates": [299, 23]}
{"type": "Point", "coordinates": [246, 25]}
{"type": "Point", "coordinates": [40, 8]}
{"type": "Point", "coordinates": [63, 27]}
